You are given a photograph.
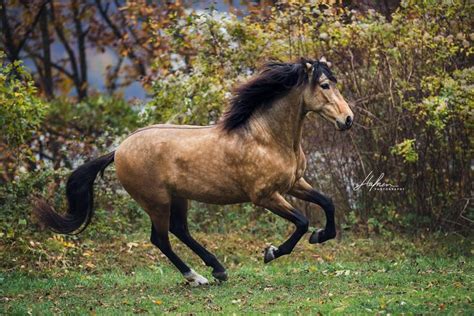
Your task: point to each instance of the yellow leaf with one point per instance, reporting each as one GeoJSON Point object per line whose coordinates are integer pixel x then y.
{"type": "Point", "coordinates": [90, 265]}
{"type": "Point", "coordinates": [68, 244]}
{"type": "Point", "coordinates": [158, 302]}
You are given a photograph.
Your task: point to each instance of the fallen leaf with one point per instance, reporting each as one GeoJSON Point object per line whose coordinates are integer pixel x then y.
{"type": "Point", "coordinates": [90, 265]}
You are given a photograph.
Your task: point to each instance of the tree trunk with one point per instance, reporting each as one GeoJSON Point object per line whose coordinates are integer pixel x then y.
{"type": "Point", "coordinates": [46, 44]}
{"type": "Point", "coordinates": [81, 47]}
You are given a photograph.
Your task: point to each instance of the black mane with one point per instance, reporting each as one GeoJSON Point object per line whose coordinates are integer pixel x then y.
{"type": "Point", "coordinates": [274, 81]}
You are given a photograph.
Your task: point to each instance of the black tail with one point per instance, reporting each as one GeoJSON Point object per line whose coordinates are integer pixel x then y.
{"type": "Point", "coordinates": [80, 197]}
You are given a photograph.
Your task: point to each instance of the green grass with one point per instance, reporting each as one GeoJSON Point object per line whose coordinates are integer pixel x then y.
{"type": "Point", "coordinates": [353, 276]}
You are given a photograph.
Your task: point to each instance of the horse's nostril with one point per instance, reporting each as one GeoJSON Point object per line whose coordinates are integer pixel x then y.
{"type": "Point", "coordinates": [348, 121]}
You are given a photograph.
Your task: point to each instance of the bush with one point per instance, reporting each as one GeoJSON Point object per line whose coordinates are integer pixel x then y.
{"type": "Point", "coordinates": [21, 111]}
{"type": "Point", "coordinates": [94, 116]}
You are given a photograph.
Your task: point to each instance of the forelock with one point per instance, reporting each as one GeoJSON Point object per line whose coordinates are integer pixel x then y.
{"type": "Point", "coordinates": [320, 69]}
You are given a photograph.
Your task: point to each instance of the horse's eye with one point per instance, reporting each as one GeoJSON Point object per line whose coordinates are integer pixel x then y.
{"type": "Point", "coordinates": [325, 86]}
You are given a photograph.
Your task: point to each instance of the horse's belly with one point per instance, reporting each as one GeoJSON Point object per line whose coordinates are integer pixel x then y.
{"type": "Point", "coordinates": [208, 185]}
{"type": "Point", "coordinates": [208, 197]}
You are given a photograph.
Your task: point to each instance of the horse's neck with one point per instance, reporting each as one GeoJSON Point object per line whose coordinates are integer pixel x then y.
{"type": "Point", "coordinates": [281, 122]}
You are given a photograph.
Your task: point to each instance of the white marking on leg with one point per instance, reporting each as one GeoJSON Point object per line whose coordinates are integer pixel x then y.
{"type": "Point", "coordinates": [270, 253]}
{"type": "Point", "coordinates": [272, 250]}
{"type": "Point", "coordinates": [194, 278]}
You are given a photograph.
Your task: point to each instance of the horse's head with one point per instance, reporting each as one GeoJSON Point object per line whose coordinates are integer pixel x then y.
{"type": "Point", "coordinates": [322, 96]}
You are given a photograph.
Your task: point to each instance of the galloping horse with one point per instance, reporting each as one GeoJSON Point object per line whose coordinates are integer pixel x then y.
{"type": "Point", "coordinates": [253, 154]}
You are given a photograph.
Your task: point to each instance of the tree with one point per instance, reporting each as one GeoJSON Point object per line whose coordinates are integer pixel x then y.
{"type": "Point", "coordinates": [16, 31]}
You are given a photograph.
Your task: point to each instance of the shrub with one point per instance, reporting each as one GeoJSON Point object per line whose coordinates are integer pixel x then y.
{"type": "Point", "coordinates": [16, 196]}
{"type": "Point", "coordinates": [21, 111]}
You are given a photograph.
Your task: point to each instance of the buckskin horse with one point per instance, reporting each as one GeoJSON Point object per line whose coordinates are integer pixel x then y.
{"type": "Point", "coordinates": [253, 154]}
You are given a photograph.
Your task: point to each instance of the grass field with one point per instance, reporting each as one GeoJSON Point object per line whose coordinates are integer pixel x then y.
{"type": "Point", "coordinates": [351, 276]}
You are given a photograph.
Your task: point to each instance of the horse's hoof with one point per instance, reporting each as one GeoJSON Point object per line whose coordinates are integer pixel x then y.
{"type": "Point", "coordinates": [316, 237]}
{"type": "Point", "coordinates": [195, 279]}
{"type": "Point", "coordinates": [269, 254]}
{"type": "Point", "coordinates": [221, 276]}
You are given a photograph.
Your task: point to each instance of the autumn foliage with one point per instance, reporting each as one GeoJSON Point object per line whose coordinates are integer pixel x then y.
{"type": "Point", "coordinates": [406, 70]}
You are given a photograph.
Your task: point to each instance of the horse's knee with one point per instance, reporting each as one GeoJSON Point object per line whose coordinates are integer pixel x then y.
{"type": "Point", "coordinates": [326, 203]}
{"type": "Point", "coordinates": [302, 224]}
{"type": "Point", "coordinates": [330, 204]}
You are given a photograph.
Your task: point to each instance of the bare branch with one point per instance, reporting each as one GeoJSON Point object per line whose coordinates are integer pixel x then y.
{"type": "Point", "coordinates": [118, 34]}
{"type": "Point", "coordinates": [69, 50]}
{"type": "Point", "coordinates": [13, 50]}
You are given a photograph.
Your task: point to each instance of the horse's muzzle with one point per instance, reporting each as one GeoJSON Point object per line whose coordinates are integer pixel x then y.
{"type": "Point", "coordinates": [342, 126]}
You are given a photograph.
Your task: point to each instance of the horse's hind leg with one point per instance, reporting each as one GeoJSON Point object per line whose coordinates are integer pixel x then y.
{"type": "Point", "coordinates": [160, 218]}
{"type": "Point", "coordinates": [179, 227]}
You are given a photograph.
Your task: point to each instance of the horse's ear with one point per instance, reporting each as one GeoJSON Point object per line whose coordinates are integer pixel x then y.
{"type": "Point", "coordinates": [306, 63]}
{"type": "Point", "coordinates": [324, 60]}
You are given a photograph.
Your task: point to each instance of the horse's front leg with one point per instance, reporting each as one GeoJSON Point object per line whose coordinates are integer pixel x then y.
{"type": "Point", "coordinates": [303, 190]}
{"type": "Point", "coordinates": [278, 205]}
